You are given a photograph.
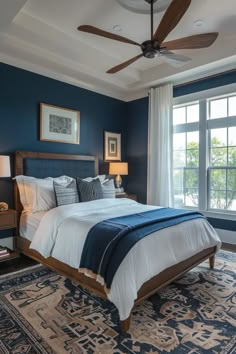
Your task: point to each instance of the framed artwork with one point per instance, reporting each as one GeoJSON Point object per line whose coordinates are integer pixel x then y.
{"type": "Point", "coordinates": [112, 146]}
{"type": "Point", "coordinates": [59, 124]}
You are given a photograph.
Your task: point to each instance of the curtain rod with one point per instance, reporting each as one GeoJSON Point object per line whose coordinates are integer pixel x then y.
{"type": "Point", "coordinates": [205, 78]}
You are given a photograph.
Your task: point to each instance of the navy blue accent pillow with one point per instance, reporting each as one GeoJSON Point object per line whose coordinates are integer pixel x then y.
{"type": "Point", "coordinates": [89, 190]}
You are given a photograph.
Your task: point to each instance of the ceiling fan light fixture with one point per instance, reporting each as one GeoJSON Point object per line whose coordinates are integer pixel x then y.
{"type": "Point", "coordinates": [150, 54]}
{"type": "Point", "coordinates": [151, 49]}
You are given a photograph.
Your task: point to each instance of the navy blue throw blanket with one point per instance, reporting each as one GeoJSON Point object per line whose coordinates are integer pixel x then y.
{"type": "Point", "coordinates": [109, 241]}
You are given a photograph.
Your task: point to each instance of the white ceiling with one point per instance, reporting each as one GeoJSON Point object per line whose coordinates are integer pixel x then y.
{"type": "Point", "coordinates": [42, 36]}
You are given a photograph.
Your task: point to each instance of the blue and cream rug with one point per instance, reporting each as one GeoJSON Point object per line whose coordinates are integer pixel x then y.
{"type": "Point", "coordinates": [43, 312]}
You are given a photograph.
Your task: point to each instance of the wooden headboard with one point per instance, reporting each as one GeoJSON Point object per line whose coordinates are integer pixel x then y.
{"type": "Point", "coordinates": [42, 164]}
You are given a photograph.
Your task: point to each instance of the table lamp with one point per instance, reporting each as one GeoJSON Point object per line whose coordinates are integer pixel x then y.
{"type": "Point", "coordinates": [118, 169]}
{"type": "Point", "coordinates": [4, 172]}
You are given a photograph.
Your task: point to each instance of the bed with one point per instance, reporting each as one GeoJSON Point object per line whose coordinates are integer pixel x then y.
{"type": "Point", "coordinates": [123, 295]}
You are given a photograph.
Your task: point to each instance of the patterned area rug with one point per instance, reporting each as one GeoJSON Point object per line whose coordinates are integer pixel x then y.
{"type": "Point", "coordinates": [43, 312]}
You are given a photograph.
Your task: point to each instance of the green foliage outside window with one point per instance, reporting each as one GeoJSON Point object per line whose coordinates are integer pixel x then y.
{"type": "Point", "coordinates": [222, 180]}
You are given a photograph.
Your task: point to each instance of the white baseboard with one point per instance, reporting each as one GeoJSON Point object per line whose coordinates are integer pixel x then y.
{"type": "Point", "coordinates": [227, 236]}
{"type": "Point", "coordinates": [7, 242]}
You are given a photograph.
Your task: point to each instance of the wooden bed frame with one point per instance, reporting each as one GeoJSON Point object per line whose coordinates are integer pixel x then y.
{"type": "Point", "coordinates": [148, 288]}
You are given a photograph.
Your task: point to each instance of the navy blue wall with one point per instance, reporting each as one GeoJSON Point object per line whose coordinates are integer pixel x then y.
{"type": "Point", "coordinates": [22, 91]}
{"type": "Point", "coordinates": [206, 84]}
{"type": "Point", "coordinates": [138, 130]}
{"type": "Point", "coordinates": [137, 138]}
{"type": "Point", "coordinates": [20, 94]}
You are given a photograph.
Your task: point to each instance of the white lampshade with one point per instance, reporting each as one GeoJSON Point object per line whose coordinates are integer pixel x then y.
{"type": "Point", "coordinates": [118, 168]}
{"type": "Point", "coordinates": [5, 166]}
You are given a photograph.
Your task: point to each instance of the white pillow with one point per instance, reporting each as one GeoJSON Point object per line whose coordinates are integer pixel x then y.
{"type": "Point", "coordinates": [37, 194]}
{"type": "Point", "coordinates": [108, 188]}
{"type": "Point", "coordinates": [25, 191]}
{"type": "Point", "coordinates": [44, 193]}
{"type": "Point", "coordinates": [44, 196]}
{"type": "Point", "coordinates": [100, 177]}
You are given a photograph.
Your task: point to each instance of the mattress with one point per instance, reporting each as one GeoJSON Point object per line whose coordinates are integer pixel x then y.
{"type": "Point", "coordinates": [29, 223]}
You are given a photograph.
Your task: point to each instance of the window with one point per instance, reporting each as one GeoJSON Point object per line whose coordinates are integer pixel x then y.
{"type": "Point", "coordinates": [204, 170]}
{"type": "Point", "coordinates": [222, 153]}
{"type": "Point", "coordinates": [186, 155]}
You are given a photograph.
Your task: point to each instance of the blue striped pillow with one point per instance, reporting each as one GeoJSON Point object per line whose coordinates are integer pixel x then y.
{"type": "Point", "coordinates": [89, 190]}
{"type": "Point", "coordinates": [108, 189]}
{"type": "Point", "coordinates": [66, 193]}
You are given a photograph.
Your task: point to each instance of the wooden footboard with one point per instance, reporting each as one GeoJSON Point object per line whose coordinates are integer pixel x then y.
{"type": "Point", "coordinates": [149, 288]}
{"type": "Point", "coordinates": [22, 245]}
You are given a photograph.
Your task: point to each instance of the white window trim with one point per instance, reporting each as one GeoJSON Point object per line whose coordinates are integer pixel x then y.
{"type": "Point", "coordinates": [219, 215]}
{"type": "Point", "coordinates": [204, 125]}
{"type": "Point", "coordinates": [197, 96]}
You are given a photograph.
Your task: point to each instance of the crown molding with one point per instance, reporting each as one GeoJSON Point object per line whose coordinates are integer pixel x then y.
{"type": "Point", "coordinates": [37, 69]}
{"type": "Point", "coordinates": [123, 94]}
{"type": "Point", "coordinates": [200, 73]}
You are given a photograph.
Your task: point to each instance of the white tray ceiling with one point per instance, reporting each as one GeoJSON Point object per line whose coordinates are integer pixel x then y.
{"type": "Point", "coordinates": [42, 36]}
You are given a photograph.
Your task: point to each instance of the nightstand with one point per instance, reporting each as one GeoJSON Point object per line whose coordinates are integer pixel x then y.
{"type": "Point", "coordinates": [8, 220]}
{"type": "Point", "coordinates": [125, 195]}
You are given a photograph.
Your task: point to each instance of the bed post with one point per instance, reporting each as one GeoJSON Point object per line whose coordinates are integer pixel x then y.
{"type": "Point", "coordinates": [212, 261]}
{"type": "Point", "coordinates": [125, 324]}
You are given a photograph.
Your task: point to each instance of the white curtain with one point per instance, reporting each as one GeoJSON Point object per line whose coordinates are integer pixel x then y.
{"type": "Point", "coordinates": [159, 186]}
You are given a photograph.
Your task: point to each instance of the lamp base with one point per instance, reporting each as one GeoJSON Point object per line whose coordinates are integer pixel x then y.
{"type": "Point", "coordinates": [118, 181]}
{"type": "Point", "coordinates": [120, 190]}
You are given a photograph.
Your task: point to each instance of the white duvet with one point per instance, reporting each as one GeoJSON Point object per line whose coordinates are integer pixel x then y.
{"type": "Point", "coordinates": [63, 230]}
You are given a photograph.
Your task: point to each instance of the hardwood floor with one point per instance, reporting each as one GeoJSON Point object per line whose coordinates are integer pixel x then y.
{"type": "Point", "coordinates": [16, 264]}
{"type": "Point", "coordinates": [228, 247]}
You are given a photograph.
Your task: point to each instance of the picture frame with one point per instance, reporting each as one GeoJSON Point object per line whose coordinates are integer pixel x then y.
{"type": "Point", "coordinates": [59, 124]}
{"type": "Point", "coordinates": [112, 146]}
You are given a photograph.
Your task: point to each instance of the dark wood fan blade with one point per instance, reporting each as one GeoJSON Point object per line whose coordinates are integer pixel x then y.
{"type": "Point", "coordinates": [172, 16]}
{"type": "Point", "coordinates": [99, 32]}
{"type": "Point", "coordinates": [123, 65]}
{"type": "Point", "coordinates": [192, 42]}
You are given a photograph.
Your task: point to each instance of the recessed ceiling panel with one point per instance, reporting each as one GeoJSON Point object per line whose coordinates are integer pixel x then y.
{"type": "Point", "coordinates": [143, 7]}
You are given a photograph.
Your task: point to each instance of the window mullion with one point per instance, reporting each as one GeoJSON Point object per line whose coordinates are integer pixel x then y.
{"type": "Point", "coordinates": [203, 154]}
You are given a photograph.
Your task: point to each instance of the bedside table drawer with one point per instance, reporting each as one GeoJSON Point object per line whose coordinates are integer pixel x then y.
{"type": "Point", "coordinates": [8, 219]}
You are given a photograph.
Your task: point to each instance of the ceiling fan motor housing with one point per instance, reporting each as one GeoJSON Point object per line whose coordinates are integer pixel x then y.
{"type": "Point", "coordinates": [150, 49]}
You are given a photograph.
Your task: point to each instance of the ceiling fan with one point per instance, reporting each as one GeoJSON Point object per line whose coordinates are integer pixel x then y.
{"type": "Point", "coordinates": [156, 45]}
